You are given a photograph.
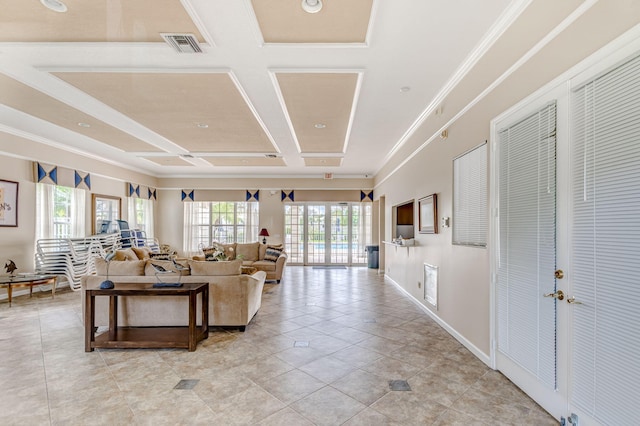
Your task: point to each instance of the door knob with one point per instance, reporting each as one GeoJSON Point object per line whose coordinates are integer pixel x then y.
{"type": "Point", "coordinates": [573, 301]}
{"type": "Point", "coordinates": [559, 274]}
{"type": "Point", "coordinates": [556, 295]}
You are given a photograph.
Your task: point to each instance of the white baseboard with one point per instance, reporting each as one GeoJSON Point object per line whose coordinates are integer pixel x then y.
{"type": "Point", "coordinates": [460, 338]}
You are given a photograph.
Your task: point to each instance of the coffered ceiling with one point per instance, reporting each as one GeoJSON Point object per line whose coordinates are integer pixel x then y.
{"type": "Point", "coordinates": [276, 91]}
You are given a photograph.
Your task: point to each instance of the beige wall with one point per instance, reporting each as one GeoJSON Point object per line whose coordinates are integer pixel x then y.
{"type": "Point", "coordinates": [17, 243]}
{"type": "Point", "coordinates": [464, 282]}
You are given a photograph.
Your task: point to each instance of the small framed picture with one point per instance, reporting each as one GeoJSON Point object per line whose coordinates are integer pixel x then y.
{"type": "Point", "coordinates": [8, 203]}
{"type": "Point", "coordinates": [428, 208]}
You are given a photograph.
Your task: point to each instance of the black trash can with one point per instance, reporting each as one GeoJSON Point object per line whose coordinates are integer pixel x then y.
{"type": "Point", "coordinates": [372, 256]}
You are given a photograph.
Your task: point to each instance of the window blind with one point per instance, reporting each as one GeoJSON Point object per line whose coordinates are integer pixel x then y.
{"type": "Point", "coordinates": [470, 198]}
{"type": "Point", "coordinates": [527, 251]}
{"type": "Point", "coordinates": [605, 270]}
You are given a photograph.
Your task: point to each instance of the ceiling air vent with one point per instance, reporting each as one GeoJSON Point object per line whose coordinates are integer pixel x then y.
{"type": "Point", "coordinates": [182, 43]}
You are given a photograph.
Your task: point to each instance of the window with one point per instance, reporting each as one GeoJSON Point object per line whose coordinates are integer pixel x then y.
{"type": "Point", "coordinates": [141, 215]}
{"type": "Point", "coordinates": [220, 221]}
{"type": "Point", "coordinates": [470, 198]}
{"type": "Point", "coordinates": [60, 212]}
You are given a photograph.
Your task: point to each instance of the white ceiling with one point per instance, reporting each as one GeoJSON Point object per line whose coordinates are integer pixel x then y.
{"type": "Point", "coordinates": [143, 100]}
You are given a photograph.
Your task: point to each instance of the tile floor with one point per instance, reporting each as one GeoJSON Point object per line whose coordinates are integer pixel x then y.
{"type": "Point", "coordinates": [321, 351]}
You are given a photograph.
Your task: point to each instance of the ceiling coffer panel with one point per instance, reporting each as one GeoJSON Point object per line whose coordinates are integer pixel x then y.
{"type": "Point", "coordinates": [200, 112]}
{"type": "Point", "coordinates": [339, 21]}
{"type": "Point", "coordinates": [246, 161]}
{"type": "Point", "coordinates": [319, 107]}
{"type": "Point", "coordinates": [323, 162]}
{"type": "Point", "coordinates": [24, 98]}
{"type": "Point", "coordinates": [94, 21]}
{"type": "Point", "coordinates": [168, 161]}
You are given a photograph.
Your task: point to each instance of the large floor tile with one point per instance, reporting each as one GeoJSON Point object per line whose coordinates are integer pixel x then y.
{"type": "Point", "coordinates": [321, 351]}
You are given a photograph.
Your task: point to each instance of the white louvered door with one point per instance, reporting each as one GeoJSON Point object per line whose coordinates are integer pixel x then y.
{"type": "Point", "coordinates": [605, 248]}
{"type": "Point", "coordinates": [525, 260]}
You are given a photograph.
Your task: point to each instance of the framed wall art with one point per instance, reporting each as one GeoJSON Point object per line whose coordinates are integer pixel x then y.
{"type": "Point", "coordinates": [428, 209]}
{"type": "Point", "coordinates": [8, 203]}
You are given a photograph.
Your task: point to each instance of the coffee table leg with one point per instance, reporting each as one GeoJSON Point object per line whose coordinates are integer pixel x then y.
{"type": "Point", "coordinates": [113, 317]}
{"type": "Point", "coordinates": [205, 312]}
{"type": "Point", "coordinates": [89, 321]}
{"type": "Point", "coordinates": [192, 321]}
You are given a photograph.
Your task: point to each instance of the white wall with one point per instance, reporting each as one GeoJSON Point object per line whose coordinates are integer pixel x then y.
{"type": "Point", "coordinates": [424, 164]}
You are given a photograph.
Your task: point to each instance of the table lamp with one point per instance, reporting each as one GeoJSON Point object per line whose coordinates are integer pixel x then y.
{"type": "Point", "coordinates": [264, 233]}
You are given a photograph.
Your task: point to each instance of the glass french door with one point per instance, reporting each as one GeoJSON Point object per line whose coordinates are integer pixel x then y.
{"type": "Point", "coordinates": [327, 233]}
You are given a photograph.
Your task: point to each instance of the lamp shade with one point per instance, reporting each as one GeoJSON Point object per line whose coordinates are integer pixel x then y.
{"type": "Point", "coordinates": [264, 234]}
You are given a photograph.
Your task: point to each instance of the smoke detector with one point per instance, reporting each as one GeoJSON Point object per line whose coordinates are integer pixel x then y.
{"type": "Point", "coordinates": [182, 43]}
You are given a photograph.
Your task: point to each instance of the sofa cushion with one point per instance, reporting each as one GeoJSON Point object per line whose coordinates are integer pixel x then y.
{"type": "Point", "coordinates": [264, 265]}
{"type": "Point", "coordinates": [120, 267]}
{"type": "Point", "coordinates": [166, 264]}
{"type": "Point", "coordinates": [272, 254]}
{"type": "Point", "coordinates": [247, 251]}
{"type": "Point", "coordinates": [226, 267]}
{"type": "Point", "coordinates": [143, 253]}
{"type": "Point", "coordinates": [125, 254]}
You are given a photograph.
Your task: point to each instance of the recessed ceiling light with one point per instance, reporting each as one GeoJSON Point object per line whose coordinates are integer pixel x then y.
{"type": "Point", "coordinates": [55, 5]}
{"type": "Point", "coordinates": [84, 124]}
{"type": "Point", "coordinates": [405, 89]}
{"type": "Point", "coordinates": [311, 6]}
{"type": "Point", "coordinates": [203, 125]}
{"type": "Point", "coordinates": [320, 126]}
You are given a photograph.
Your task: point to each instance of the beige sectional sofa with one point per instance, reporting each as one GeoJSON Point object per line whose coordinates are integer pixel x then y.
{"type": "Point", "coordinates": [256, 255]}
{"type": "Point", "coordinates": [234, 298]}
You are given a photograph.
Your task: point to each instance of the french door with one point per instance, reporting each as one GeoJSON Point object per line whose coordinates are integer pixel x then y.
{"type": "Point", "coordinates": [530, 347]}
{"type": "Point", "coordinates": [327, 233]}
{"type": "Point", "coordinates": [566, 258]}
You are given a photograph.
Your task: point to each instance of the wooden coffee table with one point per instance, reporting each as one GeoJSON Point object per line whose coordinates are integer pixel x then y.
{"type": "Point", "coordinates": [146, 337]}
{"type": "Point", "coordinates": [27, 280]}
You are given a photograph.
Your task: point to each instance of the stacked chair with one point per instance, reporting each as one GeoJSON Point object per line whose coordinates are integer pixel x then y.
{"type": "Point", "coordinates": [73, 257]}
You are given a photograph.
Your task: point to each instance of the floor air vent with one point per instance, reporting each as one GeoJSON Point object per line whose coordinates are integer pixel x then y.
{"type": "Point", "coordinates": [182, 43]}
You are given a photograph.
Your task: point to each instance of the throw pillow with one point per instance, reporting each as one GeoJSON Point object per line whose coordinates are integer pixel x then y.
{"type": "Point", "coordinates": [272, 254]}
{"type": "Point", "coordinates": [143, 253]}
{"type": "Point", "coordinates": [215, 253]}
{"type": "Point", "coordinates": [125, 254]}
{"type": "Point", "coordinates": [160, 256]}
